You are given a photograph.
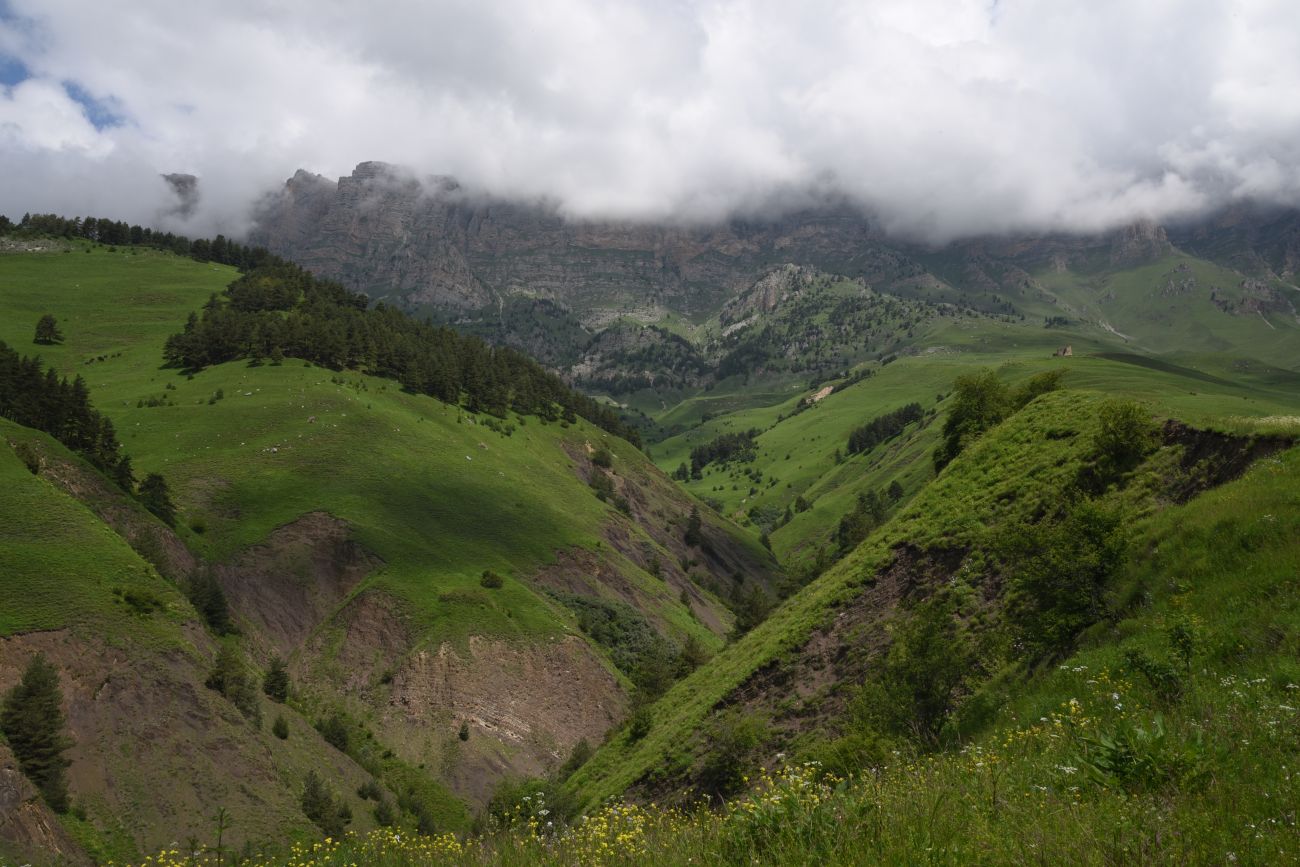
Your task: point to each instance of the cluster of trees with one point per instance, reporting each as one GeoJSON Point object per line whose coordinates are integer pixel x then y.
{"type": "Point", "coordinates": [724, 449]}
{"type": "Point", "coordinates": [329, 812]}
{"type": "Point", "coordinates": [1060, 571]}
{"type": "Point", "coordinates": [39, 398]}
{"type": "Point", "coordinates": [883, 428]}
{"type": "Point", "coordinates": [868, 513]}
{"type": "Point", "coordinates": [278, 310]}
{"type": "Point", "coordinates": [47, 330]}
{"type": "Point", "coordinates": [119, 234]}
{"type": "Point", "coordinates": [233, 680]}
{"type": "Point", "coordinates": [979, 402]}
{"type": "Point", "coordinates": [633, 644]}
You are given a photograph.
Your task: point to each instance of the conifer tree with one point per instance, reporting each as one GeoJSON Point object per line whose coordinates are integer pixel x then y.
{"type": "Point", "coordinates": [276, 682]}
{"type": "Point", "coordinates": [692, 536]}
{"type": "Point", "coordinates": [47, 330]}
{"type": "Point", "coordinates": [156, 497]}
{"type": "Point", "coordinates": [33, 723]}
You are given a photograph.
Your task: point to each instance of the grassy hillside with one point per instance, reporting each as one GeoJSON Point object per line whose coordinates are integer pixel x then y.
{"type": "Point", "coordinates": [351, 524]}
{"type": "Point", "coordinates": [1014, 474]}
{"type": "Point", "coordinates": [427, 488]}
{"type": "Point", "coordinates": [796, 454]}
{"type": "Point", "coordinates": [133, 658]}
{"type": "Point", "coordinates": [48, 534]}
{"type": "Point", "coordinates": [1086, 760]}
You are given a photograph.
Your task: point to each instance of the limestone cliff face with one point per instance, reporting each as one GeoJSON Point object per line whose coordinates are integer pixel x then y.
{"type": "Point", "coordinates": [428, 241]}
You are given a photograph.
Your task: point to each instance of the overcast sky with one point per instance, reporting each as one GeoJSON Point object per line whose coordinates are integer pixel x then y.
{"type": "Point", "coordinates": [943, 118]}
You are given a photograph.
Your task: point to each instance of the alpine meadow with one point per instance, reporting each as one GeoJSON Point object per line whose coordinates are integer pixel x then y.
{"type": "Point", "coordinates": [718, 435]}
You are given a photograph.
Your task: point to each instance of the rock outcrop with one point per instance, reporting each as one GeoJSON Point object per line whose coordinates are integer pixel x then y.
{"type": "Point", "coordinates": [28, 828]}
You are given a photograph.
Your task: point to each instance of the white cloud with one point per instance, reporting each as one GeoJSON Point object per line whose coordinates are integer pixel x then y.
{"type": "Point", "coordinates": [943, 118]}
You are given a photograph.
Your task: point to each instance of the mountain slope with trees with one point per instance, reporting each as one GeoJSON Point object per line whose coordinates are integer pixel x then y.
{"type": "Point", "coordinates": [348, 526]}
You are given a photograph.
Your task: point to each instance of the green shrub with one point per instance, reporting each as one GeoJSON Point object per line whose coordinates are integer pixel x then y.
{"type": "Point", "coordinates": [1139, 759]}
{"type": "Point", "coordinates": [207, 597]}
{"type": "Point", "coordinates": [230, 678]}
{"type": "Point", "coordinates": [321, 806]}
{"type": "Point", "coordinates": [1125, 436]}
{"type": "Point", "coordinates": [578, 757]}
{"type": "Point", "coordinates": [1058, 573]}
{"type": "Point", "coordinates": [385, 815]}
{"type": "Point", "coordinates": [981, 401]}
{"type": "Point", "coordinates": [334, 729]}
{"type": "Point", "coordinates": [602, 485]}
{"type": "Point", "coordinates": [280, 728]}
{"type": "Point", "coordinates": [693, 536]}
{"type": "Point", "coordinates": [29, 456]}
{"type": "Point", "coordinates": [1165, 680]}
{"type": "Point", "coordinates": [927, 662]}
{"type": "Point", "coordinates": [732, 739]}
{"type": "Point", "coordinates": [619, 628]}
{"type": "Point", "coordinates": [155, 496]}
{"type": "Point", "coordinates": [639, 724]}
{"type": "Point", "coordinates": [491, 580]}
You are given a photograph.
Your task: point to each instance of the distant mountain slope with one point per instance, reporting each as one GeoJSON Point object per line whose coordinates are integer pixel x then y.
{"type": "Point", "coordinates": [598, 300]}
{"type": "Point", "coordinates": [428, 241]}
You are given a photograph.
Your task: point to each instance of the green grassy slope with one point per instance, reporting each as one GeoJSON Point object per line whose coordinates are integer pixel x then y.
{"type": "Point", "coordinates": [1168, 306]}
{"type": "Point", "coordinates": [799, 450]}
{"type": "Point", "coordinates": [1013, 473]}
{"type": "Point", "coordinates": [64, 568]}
{"type": "Point", "coordinates": [1085, 764]}
{"type": "Point", "coordinates": [433, 497]}
{"type": "Point", "coordinates": [133, 658]}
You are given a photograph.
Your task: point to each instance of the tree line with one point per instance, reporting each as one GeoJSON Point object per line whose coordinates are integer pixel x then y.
{"type": "Point", "coordinates": [37, 397]}
{"type": "Point", "coordinates": [883, 428]}
{"type": "Point", "coordinates": [278, 310]}
{"type": "Point", "coordinates": [120, 234]}
{"type": "Point", "coordinates": [723, 449]}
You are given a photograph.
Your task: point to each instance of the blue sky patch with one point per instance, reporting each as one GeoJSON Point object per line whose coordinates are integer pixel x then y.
{"type": "Point", "coordinates": [12, 71]}
{"type": "Point", "coordinates": [98, 112]}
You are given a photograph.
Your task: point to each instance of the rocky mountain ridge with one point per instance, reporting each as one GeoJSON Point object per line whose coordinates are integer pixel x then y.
{"type": "Point", "coordinates": [430, 242]}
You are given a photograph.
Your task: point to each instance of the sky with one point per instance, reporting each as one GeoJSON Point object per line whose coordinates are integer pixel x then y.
{"type": "Point", "coordinates": [939, 119]}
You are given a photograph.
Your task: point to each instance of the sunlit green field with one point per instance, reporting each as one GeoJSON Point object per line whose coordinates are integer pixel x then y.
{"type": "Point", "coordinates": [246, 449]}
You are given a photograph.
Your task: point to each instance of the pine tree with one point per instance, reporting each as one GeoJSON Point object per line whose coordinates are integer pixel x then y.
{"type": "Point", "coordinates": [319, 804]}
{"type": "Point", "coordinates": [229, 678]}
{"type": "Point", "coordinates": [47, 330]}
{"type": "Point", "coordinates": [155, 496]}
{"type": "Point", "coordinates": [209, 600]}
{"type": "Point", "coordinates": [276, 682]}
{"type": "Point", "coordinates": [32, 721]}
{"type": "Point", "coordinates": [692, 536]}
